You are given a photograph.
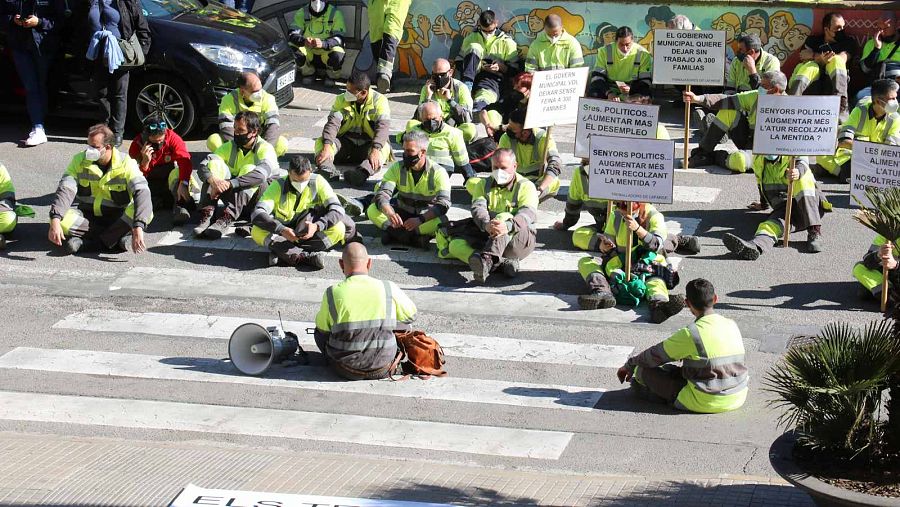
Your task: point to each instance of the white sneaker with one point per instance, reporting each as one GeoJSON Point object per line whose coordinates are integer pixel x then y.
{"type": "Point", "coordinates": [36, 137]}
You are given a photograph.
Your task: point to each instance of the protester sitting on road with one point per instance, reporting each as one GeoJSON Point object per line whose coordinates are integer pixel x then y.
{"type": "Point", "coordinates": [773, 172]}
{"type": "Point", "coordinates": [869, 272]}
{"type": "Point", "coordinates": [881, 51]}
{"type": "Point", "coordinates": [749, 63]}
{"type": "Point", "coordinates": [530, 145]}
{"type": "Point", "coordinates": [600, 273]}
{"type": "Point", "coordinates": [515, 98]}
{"type": "Point", "coordinates": [553, 48]}
{"type": "Point", "coordinates": [412, 200]}
{"type": "Point", "coordinates": [356, 321]}
{"type": "Point", "coordinates": [319, 35]}
{"type": "Point", "coordinates": [249, 96]}
{"type": "Point", "coordinates": [621, 69]}
{"type": "Point", "coordinates": [489, 58]}
{"type": "Point", "coordinates": [501, 231]}
{"type": "Point", "coordinates": [8, 217]}
{"type": "Point", "coordinates": [356, 132]}
{"type": "Point", "coordinates": [712, 377]}
{"type": "Point", "coordinates": [111, 195]}
{"type": "Point", "coordinates": [446, 144]}
{"type": "Point", "coordinates": [876, 121]}
{"type": "Point", "coordinates": [451, 95]}
{"type": "Point", "coordinates": [164, 160]}
{"type": "Point", "coordinates": [235, 174]}
{"type": "Point", "coordinates": [736, 118]}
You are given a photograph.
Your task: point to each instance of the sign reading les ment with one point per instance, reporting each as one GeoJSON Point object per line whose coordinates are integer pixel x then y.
{"type": "Point", "coordinates": [640, 170]}
{"type": "Point", "coordinates": [617, 119]}
{"type": "Point", "coordinates": [873, 165]}
{"type": "Point", "coordinates": [689, 57]}
{"type": "Point", "coordinates": [554, 97]}
{"type": "Point", "coordinates": [791, 125]}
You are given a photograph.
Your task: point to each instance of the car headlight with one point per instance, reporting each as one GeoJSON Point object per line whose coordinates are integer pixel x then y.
{"type": "Point", "coordinates": [228, 57]}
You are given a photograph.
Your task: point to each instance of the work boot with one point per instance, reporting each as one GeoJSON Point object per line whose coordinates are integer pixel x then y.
{"type": "Point", "coordinates": [328, 170]}
{"type": "Point", "coordinates": [73, 245]}
{"type": "Point", "coordinates": [386, 237]}
{"type": "Point", "coordinates": [2, 242]}
{"type": "Point", "coordinates": [315, 260]}
{"type": "Point", "coordinates": [180, 216]}
{"type": "Point", "coordinates": [306, 80]}
{"type": "Point", "coordinates": [121, 246]}
{"type": "Point", "coordinates": [699, 157]}
{"type": "Point", "coordinates": [216, 230]}
{"type": "Point", "coordinates": [353, 207]}
{"type": "Point", "coordinates": [420, 241]}
{"type": "Point", "coordinates": [384, 83]}
{"type": "Point", "coordinates": [746, 250]}
{"type": "Point", "coordinates": [206, 214]}
{"type": "Point", "coordinates": [720, 158]}
{"type": "Point", "coordinates": [356, 177]}
{"type": "Point", "coordinates": [328, 83]}
{"type": "Point", "coordinates": [596, 299]}
{"type": "Point", "coordinates": [687, 244]}
{"type": "Point", "coordinates": [481, 265]}
{"type": "Point", "coordinates": [660, 311]}
{"type": "Point", "coordinates": [273, 259]}
{"type": "Point", "coordinates": [814, 239]}
{"type": "Point", "coordinates": [510, 267]}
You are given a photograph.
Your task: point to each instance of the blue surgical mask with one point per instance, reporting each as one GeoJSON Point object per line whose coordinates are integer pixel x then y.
{"type": "Point", "coordinates": [762, 91]}
{"type": "Point", "coordinates": [772, 158]}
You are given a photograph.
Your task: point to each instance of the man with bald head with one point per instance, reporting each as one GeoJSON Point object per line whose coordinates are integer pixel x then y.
{"type": "Point", "coordinates": [249, 96]}
{"type": "Point", "coordinates": [554, 48]}
{"type": "Point", "coordinates": [356, 322]}
{"type": "Point", "coordinates": [450, 94]}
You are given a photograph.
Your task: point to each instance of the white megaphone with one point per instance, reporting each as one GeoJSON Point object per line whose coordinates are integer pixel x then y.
{"type": "Point", "coordinates": [253, 348]}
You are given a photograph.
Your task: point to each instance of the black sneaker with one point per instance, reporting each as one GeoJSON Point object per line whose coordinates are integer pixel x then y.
{"type": "Point", "coordinates": [660, 311]}
{"type": "Point", "coordinates": [481, 267]}
{"type": "Point", "coordinates": [596, 299]}
{"type": "Point", "coordinates": [688, 244]}
{"type": "Point", "coordinates": [217, 230]}
{"type": "Point", "coordinates": [329, 171]}
{"type": "Point", "coordinates": [421, 242]}
{"type": "Point", "coordinates": [355, 177]}
{"type": "Point", "coordinates": [315, 260]}
{"type": "Point", "coordinates": [180, 216]}
{"type": "Point", "coordinates": [745, 250]}
{"type": "Point", "coordinates": [206, 215]}
{"type": "Point", "coordinates": [700, 158]}
{"type": "Point", "coordinates": [73, 245]}
{"type": "Point", "coordinates": [121, 246]}
{"type": "Point", "coordinates": [814, 241]}
{"type": "Point", "coordinates": [510, 267]}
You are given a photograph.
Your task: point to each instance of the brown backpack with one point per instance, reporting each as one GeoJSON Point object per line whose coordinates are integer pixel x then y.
{"type": "Point", "coordinates": [421, 355]}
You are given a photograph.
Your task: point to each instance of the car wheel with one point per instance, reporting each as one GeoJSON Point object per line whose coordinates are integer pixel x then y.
{"type": "Point", "coordinates": [156, 92]}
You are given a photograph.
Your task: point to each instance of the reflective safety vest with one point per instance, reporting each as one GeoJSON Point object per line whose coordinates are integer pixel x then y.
{"type": "Point", "coordinates": [528, 156]}
{"type": "Point", "coordinates": [446, 147]}
{"type": "Point", "coordinates": [328, 24]}
{"type": "Point", "coordinates": [497, 46]}
{"type": "Point", "coordinates": [7, 191]}
{"type": "Point", "coordinates": [416, 197]}
{"type": "Point", "coordinates": [283, 202]}
{"type": "Point", "coordinates": [636, 64]}
{"type": "Point", "coordinates": [711, 350]}
{"type": "Point", "coordinates": [656, 226]}
{"type": "Point", "coordinates": [107, 193]}
{"type": "Point", "coordinates": [744, 102]}
{"type": "Point", "coordinates": [887, 53]}
{"type": "Point", "coordinates": [771, 177]}
{"type": "Point", "coordinates": [240, 163]}
{"type": "Point", "coordinates": [361, 119]}
{"type": "Point", "coordinates": [543, 54]}
{"type": "Point", "coordinates": [233, 103]}
{"type": "Point", "coordinates": [739, 78]}
{"type": "Point", "coordinates": [503, 203]}
{"type": "Point", "coordinates": [459, 94]}
{"type": "Point", "coordinates": [358, 317]}
{"type": "Point", "coordinates": [863, 125]}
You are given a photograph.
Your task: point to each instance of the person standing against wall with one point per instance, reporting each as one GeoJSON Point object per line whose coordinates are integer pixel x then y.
{"type": "Point", "coordinates": [386, 19]}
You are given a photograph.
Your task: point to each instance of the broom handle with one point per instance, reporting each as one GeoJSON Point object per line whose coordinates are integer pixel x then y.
{"type": "Point", "coordinates": [884, 284]}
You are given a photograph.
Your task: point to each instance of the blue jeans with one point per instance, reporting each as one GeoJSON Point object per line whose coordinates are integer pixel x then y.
{"type": "Point", "coordinates": [33, 69]}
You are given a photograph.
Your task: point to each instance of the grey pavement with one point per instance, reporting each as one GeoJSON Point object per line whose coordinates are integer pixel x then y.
{"type": "Point", "coordinates": [621, 452]}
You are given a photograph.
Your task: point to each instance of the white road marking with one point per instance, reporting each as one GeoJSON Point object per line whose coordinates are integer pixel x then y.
{"type": "Point", "coordinates": [293, 424]}
{"type": "Point", "coordinates": [454, 345]}
{"type": "Point", "coordinates": [191, 496]}
{"type": "Point", "coordinates": [466, 390]}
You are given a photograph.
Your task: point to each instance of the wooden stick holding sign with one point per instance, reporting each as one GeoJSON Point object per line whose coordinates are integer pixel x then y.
{"type": "Point", "coordinates": [884, 281]}
{"type": "Point", "coordinates": [687, 131]}
{"type": "Point", "coordinates": [790, 201]}
{"type": "Point", "coordinates": [629, 243]}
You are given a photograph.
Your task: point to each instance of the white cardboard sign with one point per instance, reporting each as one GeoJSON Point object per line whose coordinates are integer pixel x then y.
{"type": "Point", "coordinates": [554, 97]}
{"type": "Point", "coordinates": [873, 165]}
{"type": "Point", "coordinates": [616, 119]}
{"type": "Point", "coordinates": [194, 496]}
{"type": "Point", "coordinates": [640, 170]}
{"type": "Point", "coordinates": [792, 125]}
{"type": "Point", "coordinates": [689, 57]}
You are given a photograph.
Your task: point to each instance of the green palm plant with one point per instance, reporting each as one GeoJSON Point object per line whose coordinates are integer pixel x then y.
{"type": "Point", "coordinates": [831, 389]}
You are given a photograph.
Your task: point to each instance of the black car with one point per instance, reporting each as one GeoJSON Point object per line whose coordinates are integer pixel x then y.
{"type": "Point", "coordinates": [197, 54]}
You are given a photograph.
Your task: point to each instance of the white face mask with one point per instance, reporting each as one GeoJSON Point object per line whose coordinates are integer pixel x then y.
{"type": "Point", "coordinates": [892, 106]}
{"type": "Point", "coordinates": [501, 177]}
{"type": "Point", "coordinates": [299, 186]}
{"type": "Point", "coordinates": [349, 97]}
{"type": "Point", "coordinates": [317, 5]}
{"type": "Point", "coordinates": [555, 39]}
{"type": "Point", "coordinates": [92, 154]}
{"type": "Point", "coordinates": [256, 96]}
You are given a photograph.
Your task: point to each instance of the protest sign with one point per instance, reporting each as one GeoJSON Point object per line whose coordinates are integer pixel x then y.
{"type": "Point", "coordinates": [873, 165]}
{"type": "Point", "coordinates": [792, 125]}
{"type": "Point", "coordinates": [640, 170]}
{"type": "Point", "coordinates": [616, 119]}
{"type": "Point", "coordinates": [689, 57]}
{"type": "Point", "coordinates": [554, 97]}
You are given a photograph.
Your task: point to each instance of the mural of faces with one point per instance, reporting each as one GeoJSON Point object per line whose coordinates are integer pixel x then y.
{"type": "Point", "coordinates": [796, 36]}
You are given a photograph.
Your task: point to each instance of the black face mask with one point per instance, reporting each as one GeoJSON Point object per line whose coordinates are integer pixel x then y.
{"type": "Point", "coordinates": [410, 161]}
{"type": "Point", "coordinates": [528, 138]}
{"type": "Point", "coordinates": [440, 80]}
{"type": "Point", "coordinates": [433, 125]}
{"type": "Point", "coordinates": [516, 96]}
{"type": "Point", "coordinates": [155, 146]}
{"type": "Point", "coordinates": [242, 139]}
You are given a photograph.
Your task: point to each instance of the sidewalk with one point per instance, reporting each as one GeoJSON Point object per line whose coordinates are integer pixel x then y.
{"type": "Point", "coordinates": [58, 470]}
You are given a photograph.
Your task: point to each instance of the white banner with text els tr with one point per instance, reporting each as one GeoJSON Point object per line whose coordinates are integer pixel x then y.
{"type": "Point", "coordinates": [792, 125]}
{"type": "Point", "coordinates": [640, 170]}
{"type": "Point", "coordinates": [872, 165]}
{"type": "Point", "coordinates": [689, 57]}
{"type": "Point", "coordinates": [554, 97]}
{"type": "Point", "coordinates": [616, 119]}
{"type": "Point", "coordinates": [194, 496]}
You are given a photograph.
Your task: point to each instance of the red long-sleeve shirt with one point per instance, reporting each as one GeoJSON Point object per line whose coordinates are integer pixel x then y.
{"type": "Point", "coordinates": [172, 149]}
